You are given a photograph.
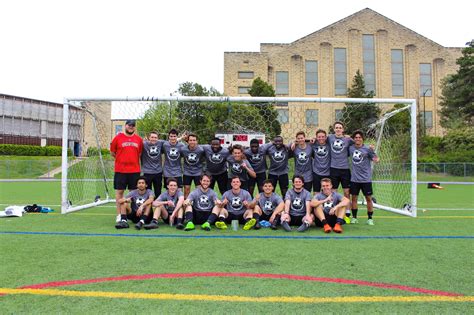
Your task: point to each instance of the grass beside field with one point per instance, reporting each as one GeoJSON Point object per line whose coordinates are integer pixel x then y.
{"type": "Point", "coordinates": [27, 166]}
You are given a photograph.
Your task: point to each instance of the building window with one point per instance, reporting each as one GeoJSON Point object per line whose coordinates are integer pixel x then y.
{"type": "Point", "coordinates": [428, 119]}
{"type": "Point", "coordinates": [244, 89]}
{"type": "Point", "coordinates": [340, 71]}
{"type": "Point", "coordinates": [368, 53]}
{"type": "Point", "coordinates": [311, 77]}
{"type": "Point", "coordinates": [425, 79]}
{"type": "Point", "coordinates": [397, 72]}
{"type": "Point", "coordinates": [312, 117]}
{"type": "Point", "coordinates": [338, 114]}
{"type": "Point", "coordinates": [118, 129]}
{"type": "Point", "coordinates": [282, 83]}
{"type": "Point", "coordinates": [283, 116]}
{"type": "Point", "coordinates": [245, 74]}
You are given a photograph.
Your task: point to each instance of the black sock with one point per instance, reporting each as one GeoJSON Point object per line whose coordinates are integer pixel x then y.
{"type": "Point", "coordinates": [188, 216]}
{"type": "Point", "coordinates": [348, 213]}
{"type": "Point", "coordinates": [123, 217]}
{"type": "Point", "coordinates": [369, 214]}
{"type": "Point", "coordinates": [222, 219]}
{"type": "Point", "coordinates": [154, 221]}
{"type": "Point", "coordinates": [354, 212]}
{"type": "Point", "coordinates": [212, 218]}
{"type": "Point", "coordinates": [340, 221]}
{"type": "Point", "coordinates": [324, 222]}
{"type": "Point", "coordinates": [143, 218]}
{"type": "Point", "coordinates": [277, 219]}
{"type": "Point", "coordinates": [180, 220]}
{"type": "Point", "coordinates": [247, 220]}
{"type": "Point", "coordinates": [256, 216]}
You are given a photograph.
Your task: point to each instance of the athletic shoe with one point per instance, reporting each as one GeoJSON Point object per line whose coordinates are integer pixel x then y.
{"type": "Point", "coordinates": [139, 225]}
{"type": "Point", "coordinates": [189, 226]}
{"type": "Point", "coordinates": [206, 226]}
{"type": "Point", "coordinates": [370, 222]}
{"type": "Point", "coordinates": [286, 226]}
{"type": "Point", "coordinates": [257, 226]}
{"type": "Point", "coordinates": [273, 226]}
{"type": "Point", "coordinates": [249, 224]}
{"type": "Point", "coordinates": [180, 226]}
{"type": "Point", "coordinates": [221, 225]}
{"type": "Point", "coordinates": [354, 220]}
{"type": "Point", "coordinates": [118, 218]}
{"type": "Point", "coordinates": [151, 226]}
{"type": "Point", "coordinates": [327, 228]}
{"type": "Point", "coordinates": [121, 225]}
{"type": "Point", "coordinates": [303, 227]}
{"type": "Point", "coordinates": [337, 228]}
{"type": "Point", "coordinates": [347, 219]}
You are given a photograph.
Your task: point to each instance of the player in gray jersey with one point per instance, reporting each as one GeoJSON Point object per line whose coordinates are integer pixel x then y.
{"type": "Point", "coordinates": [329, 207]}
{"type": "Point", "coordinates": [136, 206]}
{"type": "Point", "coordinates": [236, 205]}
{"type": "Point", "coordinates": [297, 207]}
{"type": "Point", "coordinates": [216, 163]}
{"type": "Point", "coordinates": [268, 206]}
{"type": "Point", "coordinates": [168, 206]}
{"type": "Point", "coordinates": [278, 169]}
{"type": "Point", "coordinates": [151, 162]}
{"type": "Point", "coordinates": [172, 151]}
{"type": "Point", "coordinates": [202, 206]}
{"type": "Point", "coordinates": [302, 154]}
{"type": "Point", "coordinates": [193, 156]}
{"type": "Point", "coordinates": [239, 166]}
{"type": "Point", "coordinates": [361, 157]}
{"type": "Point", "coordinates": [256, 156]}
{"type": "Point", "coordinates": [321, 159]}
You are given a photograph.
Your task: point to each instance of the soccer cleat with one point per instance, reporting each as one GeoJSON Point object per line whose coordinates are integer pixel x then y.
{"type": "Point", "coordinates": [180, 226]}
{"type": "Point", "coordinates": [370, 222]}
{"type": "Point", "coordinates": [121, 225]}
{"type": "Point", "coordinates": [257, 226]}
{"type": "Point", "coordinates": [354, 220]}
{"type": "Point", "coordinates": [151, 226]}
{"type": "Point", "coordinates": [139, 225]}
{"type": "Point", "coordinates": [249, 224]}
{"type": "Point", "coordinates": [327, 228]}
{"type": "Point", "coordinates": [303, 227]}
{"type": "Point", "coordinates": [206, 226]}
{"type": "Point", "coordinates": [273, 226]}
{"type": "Point", "coordinates": [337, 228]}
{"type": "Point", "coordinates": [221, 225]}
{"type": "Point", "coordinates": [189, 226]}
{"type": "Point", "coordinates": [286, 226]}
{"type": "Point", "coordinates": [118, 218]}
{"type": "Point", "coordinates": [347, 219]}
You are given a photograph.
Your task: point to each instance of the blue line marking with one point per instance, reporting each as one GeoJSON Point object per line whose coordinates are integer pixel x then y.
{"type": "Point", "coordinates": [309, 237]}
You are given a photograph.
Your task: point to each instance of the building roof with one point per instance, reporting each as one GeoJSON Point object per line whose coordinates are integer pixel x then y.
{"type": "Point", "coordinates": [29, 100]}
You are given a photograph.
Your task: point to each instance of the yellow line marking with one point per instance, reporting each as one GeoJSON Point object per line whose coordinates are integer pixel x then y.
{"type": "Point", "coordinates": [235, 298]}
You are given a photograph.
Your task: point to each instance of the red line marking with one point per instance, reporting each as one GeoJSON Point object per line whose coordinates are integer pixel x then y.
{"type": "Point", "coordinates": [241, 275]}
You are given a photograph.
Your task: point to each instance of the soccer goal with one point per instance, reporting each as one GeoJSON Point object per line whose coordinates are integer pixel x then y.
{"type": "Point", "coordinates": [89, 124]}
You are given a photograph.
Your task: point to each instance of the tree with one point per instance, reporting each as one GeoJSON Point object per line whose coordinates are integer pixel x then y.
{"type": "Point", "coordinates": [359, 115]}
{"type": "Point", "coordinates": [160, 117]}
{"type": "Point", "coordinates": [457, 100]}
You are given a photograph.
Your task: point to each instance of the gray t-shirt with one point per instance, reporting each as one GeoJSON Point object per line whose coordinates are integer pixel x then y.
{"type": "Point", "coordinates": [137, 198]}
{"type": "Point", "coordinates": [165, 196]}
{"type": "Point", "coordinates": [236, 201]}
{"type": "Point", "coordinates": [269, 204]}
{"type": "Point", "coordinates": [298, 201]}
{"type": "Point", "coordinates": [336, 199]}
{"type": "Point", "coordinates": [193, 159]}
{"type": "Point", "coordinates": [203, 200]}
{"type": "Point", "coordinates": [339, 151]}
{"type": "Point", "coordinates": [216, 162]}
{"type": "Point", "coordinates": [278, 159]}
{"type": "Point", "coordinates": [361, 163]}
{"type": "Point", "coordinates": [303, 162]}
{"type": "Point", "coordinates": [321, 159]}
{"type": "Point", "coordinates": [257, 160]}
{"type": "Point", "coordinates": [236, 169]}
{"type": "Point", "coordinates": [151, 157]}
{"type": "Point", "coordinates": [172, 165]}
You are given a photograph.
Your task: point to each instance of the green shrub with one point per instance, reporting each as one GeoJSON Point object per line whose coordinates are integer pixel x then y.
{"type": "Point", "coordinates": [31, 150]}
{"type": "Point", "coordinates": [91, 151]}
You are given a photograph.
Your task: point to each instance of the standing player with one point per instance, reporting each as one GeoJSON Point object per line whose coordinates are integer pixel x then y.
{"type": "Point", "coordinates": [268, 206]}
{"type": "Point", "coordinates": [172, 150]}
{"type": "Point", "coordinates": [361, 177]}
{"type": "Point", "coordinates": [240, 166]}
{"type": "Point", "coordinates": [151, 162]}
{"type": "Point", "coordinates": [321, 159]}
{"type": "Point", "coordinates": [126, 149]}
{"type": "Point", "coordinates": [329, 207]}
{"type": "Point", "coordinates": [302, 153]}
{"type": "Point", "coordinates": [216, 163]}
{"type": "Point", "coordinates": [136, 206]}
{"type": "Point", "coordinates": [168, 206]}
{"type": "Point", "coordinates": [256, 156]}
{"type": "Point", "coordinates": [297, 207]}
{"type": "Point", "coordinates": [278, 169]}
{"type": "Point", "coordinates": [193, 155]}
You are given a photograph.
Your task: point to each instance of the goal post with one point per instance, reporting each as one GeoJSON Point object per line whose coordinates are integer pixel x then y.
{"type": "Point", "coordinates": [89, 125]}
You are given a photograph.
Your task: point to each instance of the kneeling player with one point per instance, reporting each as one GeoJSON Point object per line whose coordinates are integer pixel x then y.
{"type": "Point", "coordinates": [136, 206]}
{"type": "Point", "coordinates": [168, 206]}
{"type": "Point", "coordinates": [268, 206]}
{"type": "Point", "coordinates": [297, 207]}
{"type": "Point", "coordinates": [237, 203]}
{"type": "Point", "coordinates": [330, 207]}
{"type": "Point", "coordinates": [201, 206]}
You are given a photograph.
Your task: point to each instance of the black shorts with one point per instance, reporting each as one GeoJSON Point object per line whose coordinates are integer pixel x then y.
{"type": "Point", "coordinates": [265, 217]}
{"type": "Point", "coordinates": [330, 219]}
{"type": "Point", "coordinates": [282, 180]}
{"type": "Point", "coordinates": [342, 176]}
{"type": "Point", "coordinates": [200, 217]}
{"type": "Point", "coordinates": [233, 216]}
{"type": "Point", "coordinates": [154, 181]}
{"type": "Point", "coordinates": [123, 181]}
{"type": "Point", "coordinates": [296, 220]}
{"type": "Point", "coordinates": [132, 216]}
{"type": "Point", "coordinates": [365, 187]}
{"type": "Point", "coordinates": [317, 182]}
{"type": "Point", "coordinates": [179, 179]}
{"type": "Point", "coordinates": [261, 177]}
{"type": "Point", "coordinates": [187, 180]}
{"type": "Point", "coordinates": [221, 180]}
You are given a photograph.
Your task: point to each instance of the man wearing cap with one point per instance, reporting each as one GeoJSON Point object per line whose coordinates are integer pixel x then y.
{"type": "Point", "coordinates": [126, 148]}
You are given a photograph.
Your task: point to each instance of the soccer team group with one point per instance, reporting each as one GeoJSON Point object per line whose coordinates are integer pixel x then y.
{"type": "Point", "coordinates": [143, 166]}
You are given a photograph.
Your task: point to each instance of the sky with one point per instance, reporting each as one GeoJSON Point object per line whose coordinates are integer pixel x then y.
{"type": "Point", "coordinates": [56, 49]}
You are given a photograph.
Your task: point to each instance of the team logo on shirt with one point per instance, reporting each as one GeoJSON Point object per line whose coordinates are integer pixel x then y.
{"type": "Point", "coordinates": [357, 157]}
{"type": "Point", "coordinates": [203, 202]}
{"type": "Point", "coordinates": [236, 203]}
{"type": "Point", "coordinates": [268, 206]}
{"type": "Point", "coordinates": [173, 155]}
{"type": "Point", "coordinates": [302, 158]}
{"type": "Point", "coordinates": [139, 201]}
{"type": "Point", "coordinates": [297, 204]}
{"type": "Point", "coordinates": [338, 146]}
{"type": "Point", "coordinates": [321, 151]}
{"type": "Point", "coordinates": [256, 158]}
{"type": "Point", "coordinates": [236, 168]}
{"type": "Point", "coordinates": [216, 158]}
{"type": "Point", "coordinates": [154, 151]}
{"type": "Point", "coordinates": [327, 206]}
{"type": "Point", "coordinates": [278, 156]}
{"type": "Point", "coordinates": [192, 158]}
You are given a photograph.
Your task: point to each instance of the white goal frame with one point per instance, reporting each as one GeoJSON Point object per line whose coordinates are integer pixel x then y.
{"type": "Point", "coordinates": [66, 207]}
